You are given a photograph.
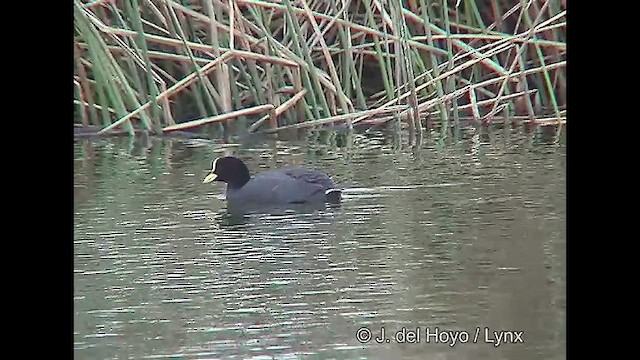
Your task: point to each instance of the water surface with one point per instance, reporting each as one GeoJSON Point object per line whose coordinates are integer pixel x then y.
{"type": "Point", "coordinates": [461, 236]}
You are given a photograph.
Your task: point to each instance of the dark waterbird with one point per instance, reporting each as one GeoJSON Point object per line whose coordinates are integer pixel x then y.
{"type": "Point", "coordinates": [287, 185]}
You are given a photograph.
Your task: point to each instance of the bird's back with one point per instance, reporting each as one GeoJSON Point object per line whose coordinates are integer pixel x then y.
{"type": "Point", "coordinates": [286, 185]}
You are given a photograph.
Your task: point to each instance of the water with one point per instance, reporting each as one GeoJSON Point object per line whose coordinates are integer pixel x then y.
{"type": "Point", "coordinates": [465, 236]}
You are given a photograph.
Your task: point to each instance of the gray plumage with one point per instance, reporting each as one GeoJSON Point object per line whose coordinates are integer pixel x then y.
{"type": "Point", "coordinates": [288, 185]}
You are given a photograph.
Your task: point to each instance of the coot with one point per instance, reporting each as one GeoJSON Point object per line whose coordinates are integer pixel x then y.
{"type": "Point", "coordinates": [288, 185]}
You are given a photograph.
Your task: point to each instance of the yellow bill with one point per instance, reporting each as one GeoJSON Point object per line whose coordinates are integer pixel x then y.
{"type": "Point", "coordinates": [209, 178]}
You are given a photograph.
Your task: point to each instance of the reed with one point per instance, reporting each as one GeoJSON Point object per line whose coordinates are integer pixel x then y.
{"type": "Point", "coordinates": [165, 65]}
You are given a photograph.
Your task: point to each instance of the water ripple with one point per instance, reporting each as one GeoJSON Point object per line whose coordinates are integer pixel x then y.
{"type": "Point", "coordinates": [458, 238]}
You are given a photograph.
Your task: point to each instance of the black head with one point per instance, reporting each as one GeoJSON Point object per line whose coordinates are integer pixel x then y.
{"type": "Point", "coordinates": [230, 170]}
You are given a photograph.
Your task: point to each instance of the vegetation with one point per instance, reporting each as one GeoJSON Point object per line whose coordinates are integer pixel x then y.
{"type": "Point", "coordinates": [266, 65]}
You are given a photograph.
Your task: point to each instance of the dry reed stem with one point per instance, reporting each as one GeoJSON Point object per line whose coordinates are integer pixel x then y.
{"type": "Point", "coordinates": [545, 121]}
{"type": "Point", "coordinates": [279, 110]}
{"type": "Point", "coordinates": [83, 108]}
{"type": "Point", "coordinates": [186, 81]}
{"type": "Point", "coordinates": [84, 86]}
{"type": "Point", "coordinates": [333, 119]}
{"type": "Point", "coordinates": [324, 25]}
{"type": "Point", "coordinates": [345, 103]}
{"type": "Point", "coordinates": [462, 46]}
{"type": "Point", "coordinates": [219, 118]}
{"type": "Point", "coordinates": [483, 83]}
{"type": "Point", "coordinates": [530, 33]}
{"type": "Point", "coordinates": [487, 102]}
{"type": "Point", "coordinates": [99, 107]}
{"type": "Point", "coordinates": [357, 27]}
{"type": "Point", "coordinates": [205, 19]}
{"type": "Point", "coordinates": [474, 104]}
{"type": "Point", "coordinates": [444, 75]}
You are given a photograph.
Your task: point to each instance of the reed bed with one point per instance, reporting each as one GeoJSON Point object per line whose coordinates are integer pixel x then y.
{"type": "Point", "coordinates": [257, 65]}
